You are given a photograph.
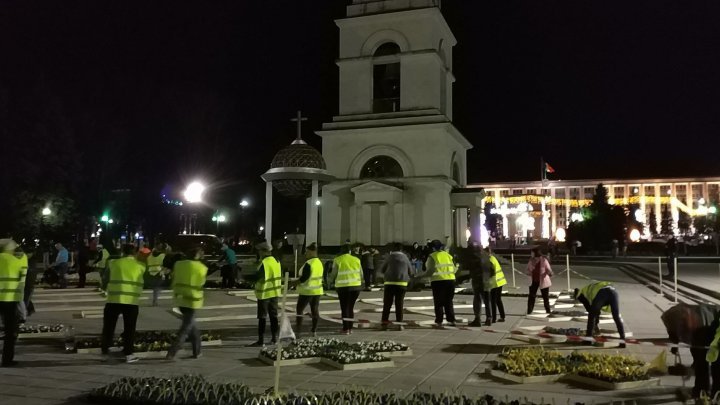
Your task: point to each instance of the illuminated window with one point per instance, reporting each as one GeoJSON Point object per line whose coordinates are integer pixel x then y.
{"type": "Point", "coordinates": [381, 166]}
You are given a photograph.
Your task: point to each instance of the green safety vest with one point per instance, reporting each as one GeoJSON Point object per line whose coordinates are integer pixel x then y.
{"type": "Point", "coordinates": [187, 285]}
{"type": "Point", "coordinates": [313, 285]}
{"type": "Point", "coordinates": [104, 256]}
{"type": "Point", "coordinates": [444, 266]}
{"type": "Point", "coordinates": [349, 271]}
{"type": "Point", "coordinates": [13, 271]}
{"type": "Point", "coordinates": [498, 278]}
{"type": "Point", "coordinates": [126, 281]}
{"type": "Point", "coordinates": [154, 263]}
{"type": "Point", "coordinates": [591, 290]}
{"type": "Point", "coordinates": [271, 284]}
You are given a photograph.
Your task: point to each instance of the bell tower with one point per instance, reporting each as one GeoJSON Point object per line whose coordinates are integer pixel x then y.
{"type": "Point", "coordinates": [395, 57]}
{"type": "Point", "coordinates": [393, 150]}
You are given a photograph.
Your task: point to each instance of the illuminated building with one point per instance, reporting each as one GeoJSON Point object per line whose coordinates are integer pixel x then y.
{"type": "Point", "coordinates": [555, 203]}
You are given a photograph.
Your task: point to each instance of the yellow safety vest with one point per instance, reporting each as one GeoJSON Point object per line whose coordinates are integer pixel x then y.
{"type": "Point", "coordinates": [498, 278]}
{"type": "Point", "coordinates": [313, 285]}
{"type": "Point", "coordinates": [104, 256]}
{"type": "Point", "coordinates": [591, 290]}
{"type": "Point", "coordinates": [154, 263]}
{"type": "Point", "coordinates": [187, 285]}
{"type": "Point", "coordinates": [444, 266]}
{"type": "Point", "coordinates": [349, 271]}
{"type": "Point", "coordinates": [271, 284]}
{"type": "Point", "coordinates": [126, 281]}
{"type": "Point", "coordinates": [13, 271]}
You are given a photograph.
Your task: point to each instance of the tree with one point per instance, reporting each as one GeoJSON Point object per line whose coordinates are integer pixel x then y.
{"type": "Point", "coordinates": [602, 223]}
{"type": "Point", "coordinates": [666, 222]}
{"type": "Point", "coordinates": [684, 222]}
{"type": "Point", "coordinates": [652, 223]}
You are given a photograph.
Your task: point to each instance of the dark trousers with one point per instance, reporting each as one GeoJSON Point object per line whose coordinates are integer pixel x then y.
{"type": "Point", "coordinates": [396, 294]}
{"type": "Point", "coordinates": [187, 328]}
{"type": "Point", "coordinates": [347, 299]}
{"type": "Point", "coordinates": [369, 276]}
{"type": "Point", "coordinates": [82, 275]}
{"type": "Point", "coordinates": [62, 270]}
{"type": "Point", "coordinates": [606, 296]}
{"type": "Point", "coordinates": [533, 294]}
{"type": "Point", "coordinates": [9, 315]}
{"type": "Point", "coordinates": [302, 303]}
{"type": "Point", "coordinates": [671, 265]}
{"type": "Point", "coordinates": [110, 316]}
{"type": "Point", "coordinates": [703, 373]}
{"type": "Point", "coordinates": [443, 294]}
{"type": "Point", "coordinates": [228, 276]}
{"type": "Point", "coordinates": [480, 296]}
{"type": "Point", "coordinates": [496, 303]}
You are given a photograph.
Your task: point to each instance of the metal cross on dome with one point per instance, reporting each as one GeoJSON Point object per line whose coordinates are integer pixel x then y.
{"type": "Point", "coordinates": [299, 119]}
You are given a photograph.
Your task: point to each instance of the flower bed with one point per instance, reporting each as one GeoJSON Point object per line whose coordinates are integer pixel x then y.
{"type": "Point", "coordinates": [336, 352]}
{"type": "Point", "coordinates": [564, 331]}
{"type": "Point", "coordinates": [600, 370]}
{"type": "Point", "coordinates": [41, 331]}
{"type": "Point", "coordinates": [144, 342]}
{"type": "Point", "coordinates": [188, 390]}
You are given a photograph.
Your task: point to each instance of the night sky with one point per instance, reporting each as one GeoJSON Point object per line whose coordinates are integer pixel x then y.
{"type": "Point", "coordinates": [170, 91]}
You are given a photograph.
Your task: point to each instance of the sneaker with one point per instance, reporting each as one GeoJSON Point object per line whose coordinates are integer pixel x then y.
{"type": "Point", "coordinates": [475, 322]}
{"type": "Point", "coordinates": [488, 322]}
{"type": "Point", "coordinates": [314, 334]}
{"type": "Point", "coordinates": [622, 346]}
{"type": "Point", "coordinates": [273, 341]}
{"type": "Point", "coordinates": [501, 320]}
{"type": "Point", "coordinates": [344, 332]}
{"type": "Point", "coordinates": [401, 328]}
{"type": "Point", "coordinates": [196, 356]}
{"type": "Point", "coordinates": [131, 358]}
{"type": "Point", "coordinates": [105, 358]}
{"type": "Point", "coordinates": [11, 363]}
{"type": "Point", "coordinates": [259, 343]}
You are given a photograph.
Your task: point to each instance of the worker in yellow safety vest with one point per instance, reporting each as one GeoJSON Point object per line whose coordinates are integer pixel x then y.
{"type": "Point", "coordinates": [396, 271]}
{"type": "Point", "coordinates": [124, 289]}
{"type": "Point", "coordinates": [310, 289]}
{"type": "Point", "coordinates": [494, 286]}
{"type": "Point", "coordinates": [13, 271]}
{"type": "Point", "coordinates": [156, 271]}
{"type": "Point", "coordinates": [441, 270]}
{"type": "Point", "coordinates": [187, 284]}
{"type": "Point", "coordinates": [347, 277]}
{"type": "Point", "coordinates": [597, 296]}
{"type": "Point", "coordinates": [268, 287]}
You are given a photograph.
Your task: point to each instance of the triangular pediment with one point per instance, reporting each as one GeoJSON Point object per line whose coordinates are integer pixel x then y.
{"type": "Point", "coordinates": [374, 186]}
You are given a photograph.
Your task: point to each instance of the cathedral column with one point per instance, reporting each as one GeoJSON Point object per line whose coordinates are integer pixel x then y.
{"type": "Point", "coordinates": [475, 224]}
{"type": "Point", "coordinates": [461, 226]}
{"type": "Point", "coordinates": [268, 212]}
{"type": "Point", "coordinates": [312, 224]}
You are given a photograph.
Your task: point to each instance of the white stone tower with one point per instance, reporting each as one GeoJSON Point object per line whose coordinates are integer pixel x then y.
{"type": "Point", "coordinates": [393, 149]}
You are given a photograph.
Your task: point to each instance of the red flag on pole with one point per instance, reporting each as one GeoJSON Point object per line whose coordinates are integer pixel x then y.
{"type": "Point", "coordinates": [548, 168]}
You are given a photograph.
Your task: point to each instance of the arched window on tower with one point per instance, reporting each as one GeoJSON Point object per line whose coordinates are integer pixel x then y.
{"type": "Point", "coordinates": [386, 78]}
{"type": "Point", "coordinates": [381, 166]}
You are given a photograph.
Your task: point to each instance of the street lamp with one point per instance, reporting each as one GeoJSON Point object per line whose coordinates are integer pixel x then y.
{"type": "Point", "coordinates": [194, 192]}
{"type": "Point", "coordinates": [46, 211]}
{"type": "Point", "coordinates": [244, 203]}
{"type": "Point", "coordinates": [218, 219]}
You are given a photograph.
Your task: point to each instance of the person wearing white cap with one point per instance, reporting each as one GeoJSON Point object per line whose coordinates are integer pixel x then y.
{"type": "Point", "coordinates": [13, 271]}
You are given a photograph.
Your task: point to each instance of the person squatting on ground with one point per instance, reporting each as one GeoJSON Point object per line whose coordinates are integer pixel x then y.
{"type": "Point", "coordinates": [598, 296]}
{"type": "Point", "coordinates": [187, 285]}
{"type": "Point", "coordinates": [347, 277]}
{"type": "Point", "coordinates": [441, 270]}
{"type": "Point", "coordinates": [480, 268]}
{"type": "Point", "coordinates": [539, 270]}
{"type": "Point", "coordinates": [268, 288]}
{"type": "Point", "coordinates": [156, 271]}
{"type": "Point", "coordinates": [396, 270]}
{"type": "Point", "coordinates": [124, 289]}
{"type": "Point", "coordinates": [310, 289]}
{"type": "Point", "coordinates": [228, 267]}
{"type": "Point", "coordinates": [697, 326]}
{"type": "Point", "coordinates": [13, 271]}
{"type": "Point", "coordinates": [494, 287]}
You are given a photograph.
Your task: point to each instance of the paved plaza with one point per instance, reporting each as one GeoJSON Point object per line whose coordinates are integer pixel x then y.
{"type": "Point", "coordinates": [453, 359]}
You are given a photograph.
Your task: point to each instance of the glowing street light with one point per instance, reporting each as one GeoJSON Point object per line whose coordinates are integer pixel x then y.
{"type": "Point", "coordinates": [244, 203]}
{"type": "Point", "coordinates": [104, 218]}
{"type": "Point", "coordinates": [194, 192]}
{"type": "Point", "coordinates": [110, 221]}
{"type": "Point", "coordinates": [635, 235]}
{"type": "Point", "coordinates": [712, 210]}
{"type": "Point", "coordinates": [46, 211]}
{"type": "Point", "coordinates": [317, 202]}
